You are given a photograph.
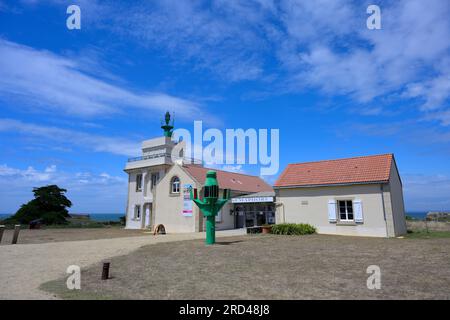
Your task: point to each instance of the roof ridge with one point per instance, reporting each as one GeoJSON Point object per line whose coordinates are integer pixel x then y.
{"type": "Point", "coordinates": [340, 159]}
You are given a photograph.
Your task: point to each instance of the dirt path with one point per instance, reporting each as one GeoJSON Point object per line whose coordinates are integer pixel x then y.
{"type": "Point", "coordinates": [24, 267]}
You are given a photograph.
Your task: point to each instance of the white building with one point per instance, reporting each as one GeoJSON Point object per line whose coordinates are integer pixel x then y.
{"type": "Point", "coordinates": [357, 196]}
{"type": "Point", "coordinates": [158, 192]}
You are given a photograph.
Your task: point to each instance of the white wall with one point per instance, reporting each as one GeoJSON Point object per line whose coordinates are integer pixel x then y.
{"type": "Point", "coordinates": [140, 197]}
{"type": "Point", "coordinates": [316, 211]}
{"type": "Point", "coordinates": [398, 208]}
{"type": "Point", "coordinates": [134, 198]}
{"type": "Point", "coordinates": [169, 207]}
{"type": "Point", "coordinates": [227, 220]}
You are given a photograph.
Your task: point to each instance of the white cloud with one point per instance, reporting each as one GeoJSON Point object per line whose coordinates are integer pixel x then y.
{"type": "Point", "coordinates": [107, 191]}
{"type": "Point", "coordinates": [426, 192]}
{"type": "Point", "coordinates": [443, 117]}
{"type": "Point", "coordinates": [97, 143]}
{"type": "Point", "coordinates": [50, 174]}
{"type": "Point", "coordinates": [299, 45]}
{"type": "Point", "coordinates": [331, 49]}
{"type": "Point", "coordinates": [46, 81]}
{"type": "Point", "coordinates": [434, 92]}
{"type": "Point", "coordinates": [318, 21]}
{"type": "Point", "coordinates": [30, 174]}
{"type": "Point", "coordinates": [223, 37]}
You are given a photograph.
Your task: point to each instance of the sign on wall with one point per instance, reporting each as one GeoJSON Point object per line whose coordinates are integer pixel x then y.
{"type": "Point", "coordinates": [187, 202]}
{"type": "Point", "coordinates": [252, 200]}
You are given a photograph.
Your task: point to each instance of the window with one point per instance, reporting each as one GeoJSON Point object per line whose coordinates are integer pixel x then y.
{"type": "Point", "coordinates": [138, 182]}
{"type": "Point", "coordinates": [175, 185]}
{"type": "Point", "coordinates": [345, 208]}
{"type": "Point", "coordinates": [137, 212]}
{"type": "Point", "coordinates": [154, 179]}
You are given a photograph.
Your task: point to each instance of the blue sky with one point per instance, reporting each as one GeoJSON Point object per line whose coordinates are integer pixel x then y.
{"type": "Point", "coordinates": [75, 104]}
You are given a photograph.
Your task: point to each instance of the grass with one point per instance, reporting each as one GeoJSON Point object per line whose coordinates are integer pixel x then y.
{"type": "Point", "coordinates": [423, 234]}
{"type": "Point", "coordinates": [86, 224]}
{"type": "Point", "coordinates": [271, 267]}
{"type": "Point", "coordinates": [63, 293]}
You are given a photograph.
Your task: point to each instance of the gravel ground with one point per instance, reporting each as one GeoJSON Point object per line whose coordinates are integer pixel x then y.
{"type": "Point", "coordinates": [24, 267]}
{"type": "Point", "coordinates": [27, 236]}
{"type": "Point", "coordinates": [273, 267]}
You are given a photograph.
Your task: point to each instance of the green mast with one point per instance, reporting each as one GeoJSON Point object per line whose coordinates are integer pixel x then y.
{"type": "Point", "coordinates": [168, 129]}
{"type": "Point", "coordinates": [211, 204]}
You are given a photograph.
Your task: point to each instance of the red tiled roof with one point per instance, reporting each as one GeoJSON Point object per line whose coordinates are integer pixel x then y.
{"type": "Point", "coordinates": [230, 180]}
{"type": "Point", "coordinates": [366, 169]}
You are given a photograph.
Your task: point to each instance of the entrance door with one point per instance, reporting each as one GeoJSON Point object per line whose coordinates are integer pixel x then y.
{"type": "Point", "coordinates": [148, 209]}
{"type": "Point", "coordinates": [240, 217]}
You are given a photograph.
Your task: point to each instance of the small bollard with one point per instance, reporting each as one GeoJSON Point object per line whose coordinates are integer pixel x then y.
{"type": "Point", "coordinates": [2, 228]}
{"type": "Point", "coordinates": [16, 234]}
{"type": "Point", "coordinates": [105, 272]}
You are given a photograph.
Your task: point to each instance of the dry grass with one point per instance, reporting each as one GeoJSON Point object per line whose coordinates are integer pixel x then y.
{"type": "Point", "coordinates": [27, 236]}
{"type": "Point", "coordinates": [273, 267]}
{"type": "Point", "coordinates": [430, 225]}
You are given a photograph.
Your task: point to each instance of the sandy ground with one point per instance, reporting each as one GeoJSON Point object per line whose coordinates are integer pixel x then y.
{"type": "Point", "coordinates": [274, 267]}
{"type": "Point", "coordinates": [24, 267]}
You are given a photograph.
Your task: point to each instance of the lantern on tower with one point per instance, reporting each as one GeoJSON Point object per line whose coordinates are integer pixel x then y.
{"type": "Point", "coordinates": [167, 126]}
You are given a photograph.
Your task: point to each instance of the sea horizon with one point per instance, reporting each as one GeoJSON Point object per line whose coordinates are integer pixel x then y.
{"type": "Point", "coordinates": [93, 216]}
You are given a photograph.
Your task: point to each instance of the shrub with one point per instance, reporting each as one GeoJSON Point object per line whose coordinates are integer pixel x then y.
{"type": "Point", "coordinates": [293, 229]}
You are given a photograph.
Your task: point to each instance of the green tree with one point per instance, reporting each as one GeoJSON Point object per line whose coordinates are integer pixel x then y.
{"type": "Point", "coordinates": [49, 204]}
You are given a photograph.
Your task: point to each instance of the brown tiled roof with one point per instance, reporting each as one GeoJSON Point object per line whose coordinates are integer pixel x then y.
{"type": "Point", "coordinates": [230, 180]}
{"type": "Point", "coordinates": [366, 169]}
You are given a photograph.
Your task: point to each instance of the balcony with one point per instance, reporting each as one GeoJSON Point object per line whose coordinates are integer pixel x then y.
{"type": "Point", "coordinates": [151, 156]}
{"type": "Point", "coordinates": [156, 159]}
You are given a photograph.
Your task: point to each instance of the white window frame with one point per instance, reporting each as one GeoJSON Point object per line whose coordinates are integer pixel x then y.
{"type": "Point", "coordinates": [346, 210]}
{"type": "Point", "coordinates": [154, 177]}
{"type": "Point", "coordinates": [175, 185]}
{"type": "Point", "coordinates": [139, 178]}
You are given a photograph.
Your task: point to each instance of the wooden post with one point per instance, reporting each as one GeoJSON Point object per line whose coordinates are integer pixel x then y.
{"type": "Point", "coordinates": [16, 233]}
{"type": "Point", "coordinates": [105, 272]}
{"type": "Point", "coordinates": [2, 228]}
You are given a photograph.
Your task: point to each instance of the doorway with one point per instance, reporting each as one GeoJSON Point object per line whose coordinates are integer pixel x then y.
{"type": "Point", "coordinates": [253, 215]}
{"type": "Point", "coordinates": [147, 216]}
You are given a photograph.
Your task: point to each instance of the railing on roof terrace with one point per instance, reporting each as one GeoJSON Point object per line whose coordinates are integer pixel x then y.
{"type": "Point", "coordinates": [164, 155]}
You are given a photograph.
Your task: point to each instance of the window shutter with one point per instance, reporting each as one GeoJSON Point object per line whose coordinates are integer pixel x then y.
{"type": "Point", "coordinates": [357, 207]}
{"type": "Point", "coordinates": [332, 210]}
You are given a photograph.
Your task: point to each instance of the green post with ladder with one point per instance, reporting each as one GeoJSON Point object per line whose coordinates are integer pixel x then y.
{"type": "Point", "coordinates": [211, 204]}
